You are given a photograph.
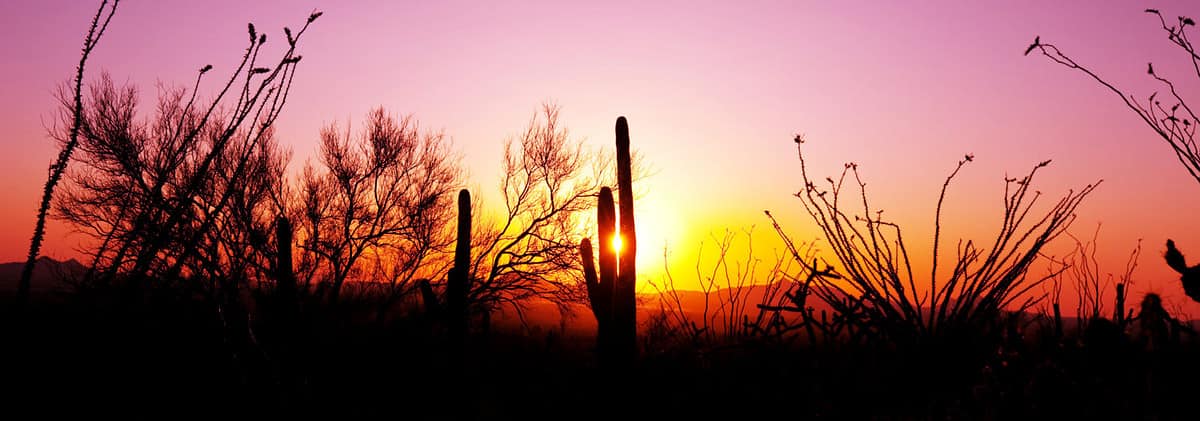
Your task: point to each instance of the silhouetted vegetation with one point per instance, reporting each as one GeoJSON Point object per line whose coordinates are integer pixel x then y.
{"type": "Point", "coordinates": [378, 209]}
{"type": "Point", "coordinates": [879, 287]}
{"type": "Point", "coordinates": [531, 251]}
{"type": "Point", "coordinates": [218, 284]}
{"type": "Point", "coordinates": [1175, 122]}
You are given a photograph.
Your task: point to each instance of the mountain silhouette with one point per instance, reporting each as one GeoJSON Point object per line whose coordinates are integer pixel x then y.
{"type": "Point", "coordinates": [48, 276]}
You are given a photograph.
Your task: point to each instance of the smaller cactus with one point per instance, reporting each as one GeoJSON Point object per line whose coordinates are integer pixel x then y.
{"type": "Point", "coordinates": [433, 308]}
{"type": "Point", "coordinates": [452, 308]}
{"type": "Point", "coordinates": [1119, 312]}
{"type": "Point", "coordinates": [600, 286]}
{"type": "Point", "coordinates": [285, 277]}
{"type": "Point", "coordinates": [1058, 321]}
{"type": "Point", "coordinates": [1190, 276]}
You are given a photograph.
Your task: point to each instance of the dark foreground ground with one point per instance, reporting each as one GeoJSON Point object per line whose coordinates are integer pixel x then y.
{"type": "Point", "coordinates": [170, 358]}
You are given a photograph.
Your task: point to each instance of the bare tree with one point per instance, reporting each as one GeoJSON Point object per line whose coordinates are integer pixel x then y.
{"type": "Point", "coordinates": [548, 183]}
{"type": "Point", "coordinates": [123, 157]}
{"type": "Point", "coordinates": [69, 142]}
{"type": "Point", "coordinates": [187, 191]}
{"type": "Point", "coordinates": [240, 243]}
{"type": "Point", "coordinates": [382, 206]}
{"type": "Point", "coordinates": [259, 103]}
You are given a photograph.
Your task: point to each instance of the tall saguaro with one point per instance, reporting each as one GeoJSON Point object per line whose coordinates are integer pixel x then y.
{"type": "Point", "coordinates": [611, 294]}
{"type": "Point", "coordinates": [285, 277]}
{"type": "Point", "coordinates": [624, 302]}
{"type": "Point", "coordinates": [459, 283]}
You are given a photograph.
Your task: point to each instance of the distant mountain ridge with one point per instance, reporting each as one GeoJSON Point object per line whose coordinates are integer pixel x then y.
{"type": "Point", "coordinates": [48, 275]}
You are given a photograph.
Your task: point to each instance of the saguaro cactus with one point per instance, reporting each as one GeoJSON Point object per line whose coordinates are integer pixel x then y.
{"type": "Point", "coordinates": [624, 302]}
{"type": "Point", "coordinates": [285, 278]}
{"type": "Point", "coordinates": [459, 282]}
{"type": "Point", "coordinates": [611, 291]}
{"type": "Point", "coordinates": [1119, 313]}
{"type": "Point", "coordinates": [600, 288]}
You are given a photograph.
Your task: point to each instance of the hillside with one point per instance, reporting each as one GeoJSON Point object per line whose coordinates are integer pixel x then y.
{"type": "Point", "coordinates": [48, 275]}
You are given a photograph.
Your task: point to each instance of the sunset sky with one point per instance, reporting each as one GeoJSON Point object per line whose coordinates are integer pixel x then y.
{"type": "Point", "coordinates": [714, 93]}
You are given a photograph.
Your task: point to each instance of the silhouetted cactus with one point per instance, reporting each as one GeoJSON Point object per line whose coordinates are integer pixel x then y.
{"type": "Point", "coordinates": [1190, 275]}
{"type": "Point", "coordinates": [1058, 322]}
{"type": "Point", "coordinates": [285, 277]}
{"type": "Point", "coordinates": [611, 291]}
{"type": "Point", "coordinates": [1119, 313]}
{"type": "Point", "coordinates": [458, 283]}
{"type": "Point", "coordinates": [433, 307]}
{"type": "Point", "coordinates": [600, 288]}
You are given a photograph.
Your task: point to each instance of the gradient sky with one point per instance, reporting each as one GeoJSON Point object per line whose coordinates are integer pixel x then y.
{"type": "Point", "coordinates": [714, 92]}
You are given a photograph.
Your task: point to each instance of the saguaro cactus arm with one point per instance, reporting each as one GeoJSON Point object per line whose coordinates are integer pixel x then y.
{"type": "Point", "coordinates": [284, 275]}
{"type": "Point", "coordinates": [606, 231]}
{"type": "Point", "coordinates": [589, 273]}
{"type": "Point", "coordinates": [1175, 259]}
{"type": "Point", "coordinates": [600, 285]}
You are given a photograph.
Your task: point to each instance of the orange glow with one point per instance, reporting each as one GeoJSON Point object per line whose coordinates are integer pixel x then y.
{"type": "Point", "coordinates": [616, 243]}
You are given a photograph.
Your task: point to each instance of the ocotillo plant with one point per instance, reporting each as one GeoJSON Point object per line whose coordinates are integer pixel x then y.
{"type": "Point", "coordinates": [459, 282]}
{"type": "Point", "coordinates": [611, 294]}
{"type": "Point", "coordinates": [59, 167]}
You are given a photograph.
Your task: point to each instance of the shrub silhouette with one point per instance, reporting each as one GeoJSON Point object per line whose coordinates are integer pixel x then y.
{"type": "Point", "coordinates": [1084, 272]}
{"type": "Point", "coordinates": [193, 190]}
{"type": "Point", "coordinates": [1154, 323]}
{"type": "Point", "coordinates": [736, 305]}
{"type": "Point", "coordinates": [871, 281]}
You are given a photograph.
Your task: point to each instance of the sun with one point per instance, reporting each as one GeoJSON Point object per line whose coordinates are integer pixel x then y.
{"type": "Point", "coordinates": [617, 244]}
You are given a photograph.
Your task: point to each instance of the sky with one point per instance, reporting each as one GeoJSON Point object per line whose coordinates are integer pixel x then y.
{"type": "Point", "coordinates": [714, 93]}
